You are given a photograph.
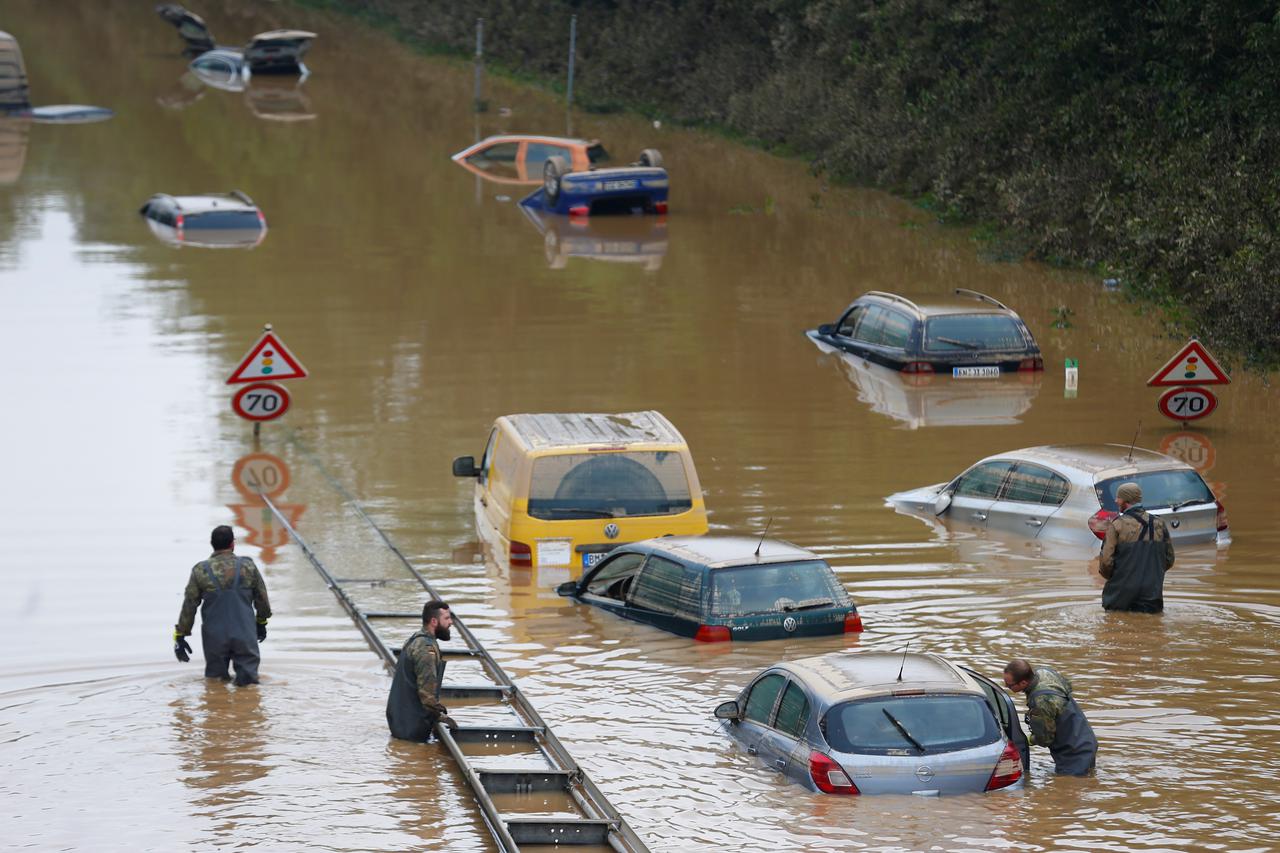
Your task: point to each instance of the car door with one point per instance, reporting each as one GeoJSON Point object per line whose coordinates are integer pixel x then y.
{"type": "Point", "coordinates": [758, 710]}
{"type": "Point", "coordinates": [668, 595]}
{"type": "Point", "coordinates": [974, 491]}
{"type": "Point", "coordinates": [1029, 497]}
{"type": "Point", "coordinates": [534, 156]}
{"type": "Point", "coordinates": [782, 744]}
{"type": "Point", "coordinates": [609, 583]}
{"type": "Point", "coordinates": [1001, 704]}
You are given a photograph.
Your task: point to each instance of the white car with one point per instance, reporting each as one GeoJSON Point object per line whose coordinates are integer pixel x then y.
{"type": "Point", "coordinates": [1067, 493]}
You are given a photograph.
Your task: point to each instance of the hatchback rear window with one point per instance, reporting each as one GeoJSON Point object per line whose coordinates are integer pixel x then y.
{"type": "Point", "coordinates": [609, 485]}
{"type": "Point", "coordinates": [1159, 489]}
{"type": "Point", "coordinates": [223, 219]}
{"type": "Point", "coordinates": [779, 588]}
{"type": "Point", "coordinates": [938, 723]}
{"type": "Point", "coordinates": [972, 332]}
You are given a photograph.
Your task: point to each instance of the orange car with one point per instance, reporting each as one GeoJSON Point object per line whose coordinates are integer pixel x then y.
{"type": "Point", "coordinates": [518, 159]}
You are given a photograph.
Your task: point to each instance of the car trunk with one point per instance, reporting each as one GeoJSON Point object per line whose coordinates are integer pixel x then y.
{"type": "Point", "coordinates": [964, 771]}
{"type": "Point", "coordinates": [1178, 496]}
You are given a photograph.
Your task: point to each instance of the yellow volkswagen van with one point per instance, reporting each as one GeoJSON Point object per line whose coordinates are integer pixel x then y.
{"type": "Point", "coordinates": [564, 489]}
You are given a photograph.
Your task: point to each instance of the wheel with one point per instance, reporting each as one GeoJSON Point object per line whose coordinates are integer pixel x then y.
{"type": "Point", "coordinates": [552, 171]}
{"type": "Point", "coordinates": [551, 246]}
{"type": "Point", "coordinates": [651, 157]}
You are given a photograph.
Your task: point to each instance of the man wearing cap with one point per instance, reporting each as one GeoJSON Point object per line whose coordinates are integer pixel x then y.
{"type": "Point", "coordinates": [1136, 553]}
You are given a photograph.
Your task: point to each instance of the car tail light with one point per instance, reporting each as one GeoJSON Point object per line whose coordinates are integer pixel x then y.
{"type": "Point", "coordinates": [521, 554]}
{"type": "Point", "coordinates": [713, 634]}
{"type": "Point", "coordinates": [262, 220]}
{"type": "Point", "coordinates": [1008, 769]}
{"type": "Point", "coordinates": [181, 221]}
{"type": "Point", "coordinates": [852, 623]}
{"type": "Point", "coordinates": [659, 207]}
{"type": "Point", "coordinates": [829, 776]}
{"type": "Point", "coordinates": [1222, 516]}
{"type": "Point", "coordinates": [580, 210]}
{"type": "Point", "coordinates": [918, 367]}
{"type": "Point", "coordinates": [1036, 363]}
{"type": "Point", "coordinates": [1098, 522]}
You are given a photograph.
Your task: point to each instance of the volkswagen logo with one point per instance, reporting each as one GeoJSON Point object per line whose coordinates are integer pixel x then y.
{"type": "Point", "coordinates": [1175, 524]}
{"type": "Point", "coordinates": [924, 772]}
{"type": "Point", "coordinates": [611, 531]}
{"type": "Point", "coordinates": [789, 624]}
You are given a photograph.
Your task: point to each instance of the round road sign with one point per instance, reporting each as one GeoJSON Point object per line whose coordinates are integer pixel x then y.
{"type": "Point", "coordinates": [260, 474]}
{"type": "Point", "coordinates": [260, 401]}
{"type": "Point", "coordinates": [1187, 404]}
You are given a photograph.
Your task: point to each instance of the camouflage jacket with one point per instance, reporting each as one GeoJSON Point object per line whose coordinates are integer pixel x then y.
{"type": "Point", "coordinates": [223, 564]}
{"type": "Point", "coordinates": [424, 658]}
{"type": "Point", "coordinates": [1123, 531]}
{"type": "Point", "coordinates": [1044, 709]}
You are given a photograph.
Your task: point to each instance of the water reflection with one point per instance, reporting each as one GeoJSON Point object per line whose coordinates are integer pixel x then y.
{"type": "Point", "coordinates": [254, 475]}
{"type": "Point", "coordinates": [221, 744]}
{"type": "Point", "coordinates": [13, 147]}
{"type": "Point", "coordinates": [640, 240]}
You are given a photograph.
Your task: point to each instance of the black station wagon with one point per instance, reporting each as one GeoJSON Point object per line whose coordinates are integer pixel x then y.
{"type": "Point", "coordinates": [968, 334]}
{"type": "Point", "coordinates": [715, 588]}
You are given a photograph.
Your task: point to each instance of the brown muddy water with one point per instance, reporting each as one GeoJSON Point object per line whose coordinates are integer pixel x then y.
{"type": "Point", "coordinates": [425, 304]}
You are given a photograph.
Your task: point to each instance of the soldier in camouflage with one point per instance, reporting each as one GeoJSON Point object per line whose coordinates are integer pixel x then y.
{"type": "Point", "coordinates": [228, 590]}
{"type": "Point", "coordinates": [413, 705]}
{"type": "Point", "coordinates": [1136, 553]}
{"type": "Point", "coordinates": [1054, 718]}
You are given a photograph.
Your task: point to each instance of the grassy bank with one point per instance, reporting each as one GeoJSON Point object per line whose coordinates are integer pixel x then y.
{"type": "Point", "coordinates": [1140, 141]}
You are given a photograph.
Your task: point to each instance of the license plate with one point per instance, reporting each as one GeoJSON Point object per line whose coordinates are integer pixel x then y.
{"type": "Point", "coordinates": [590, 559]}
{"type": "Point", "coordinates": [621, 185]}
{"type": "Point", "coordinates": [987, 372]}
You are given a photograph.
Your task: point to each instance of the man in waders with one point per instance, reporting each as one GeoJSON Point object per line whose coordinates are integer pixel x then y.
{"type": "Point", "coordinates": [231, 589]}
{"type": "Point", "coordinates": [1136, 553]}
{"type": "Point", "coordinates": [413, 706]}
{"type": "Point", "coordinates": [1054, 718]}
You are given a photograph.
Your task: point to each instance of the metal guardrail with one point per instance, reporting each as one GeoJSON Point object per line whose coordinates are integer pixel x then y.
{"type": "Point", "coordinates": [598, 823]}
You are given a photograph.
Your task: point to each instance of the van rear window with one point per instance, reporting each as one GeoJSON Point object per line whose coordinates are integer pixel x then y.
{"type": "Point", "coordinates": [1159, 489]}
{"type": "Point", "coordinates": [939, 723]}
{"type": "Point", "coordinates": [778, 588]}
{"type": "Point", "coordinates": [609, 485]}
{"type": "Point", "coordinates": [973, 333]}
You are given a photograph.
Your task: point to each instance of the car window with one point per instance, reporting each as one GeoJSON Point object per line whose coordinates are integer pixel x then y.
{"type": "Point", "coordinates": [499, 159]}
{"type": "Point", "coordinates": [764, 693]}
{"type": "Point", "coordinates": [597, 154]}
{"type": "Point", "coordinates": [973, 332]}
{"type": "Point", "coordinates": [775, 588]}
{"type": "Point", "coordinates": [871, 327]}
{"type": "Point", "coordinates": [1034, 484]}
{"type": "Point", "coordinates": [537, 153]}
{"type": "Point", "coordinates": [793, 712]}
{"type": "Point", "coordinates": [1159, 489]}
{"type": "Point", "coordinates": [665, 586]}
{"type": "Point", "coordinates": [849, 321]}
{"type": "Point", "coordinates": [938, 722]}
{"type": "Point", "coordinates": [613, 577]}
{"type": "Point", "coordinates": [506, 461]}
{"type": "Point", "coordinates": [983, 481]}
{"type": "Point", "coordinates": [609, 485]}
{"type": "Point", "coordinates": [229, 219]}
{"type": "Point", "coordinates": [897, 329]}
{"type": "Point", "coordinates": [995, 698]}
{"type": "Point", "coordinates": [488, 455]}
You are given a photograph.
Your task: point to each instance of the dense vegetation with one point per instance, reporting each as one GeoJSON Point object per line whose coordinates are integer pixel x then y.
{"type": "Point", "coordinates": [1140, 139]}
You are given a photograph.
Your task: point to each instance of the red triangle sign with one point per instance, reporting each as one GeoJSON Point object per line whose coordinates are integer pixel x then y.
{"type": "Point", "coordinates": [1191, 366]}
{"type": "Point", "coordinates": [267, 359]}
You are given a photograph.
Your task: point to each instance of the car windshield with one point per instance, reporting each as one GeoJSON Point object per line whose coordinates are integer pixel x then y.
{"type": "Point", "coordinates": [1159, 489]}
{"type": "Point", "coordinates": [609, 485]}
{"type": "Point", "coordinates": [597, 154]}
{"type": "Point", "coordinates": [223, 219]}
{"type": "Point", "coordinates": [777, 588]}
{"type": "Point", "coordinates": [972, 332]}
{"type": "Point", "coordinates": [938, 723]}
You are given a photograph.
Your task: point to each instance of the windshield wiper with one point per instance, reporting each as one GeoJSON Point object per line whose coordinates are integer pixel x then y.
{"type": "Point", "coordinates": [1187, 502]}
{"type": "Point", "coordinates": [900, 727]}
{"type": "Point", "coordinates": [809, 604]}
{"type": "Point", "coordinates": [574, 512]}
{"type": "Point", "coordinates": [959, 343]}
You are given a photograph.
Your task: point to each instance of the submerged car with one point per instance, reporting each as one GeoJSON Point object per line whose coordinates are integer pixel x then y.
{"type": "Point", "coordinates": [969, 335]}
{"type": "Point", "coordinates": [715, 588]}
{"type": "Point", "coordinates": [520, 158]}
{"type": "Point", "coordinates": [15, 93]}
{"type": "Point", "coordinates": [880, 723]}
{"type": "Point", "coordinates": [212, 220]}
{"type": "Point", "coordinates": [272, 52]}
{"type": "Point", "coordinates": [1068, 493]}
{"type": "Point", "coordinates": [638, 188]}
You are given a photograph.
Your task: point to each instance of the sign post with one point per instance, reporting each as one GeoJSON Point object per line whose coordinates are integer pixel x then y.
{"type": "Point", "coordinates": [1184, 375]}
{"type": "Point", "coordinates": [262, 400]}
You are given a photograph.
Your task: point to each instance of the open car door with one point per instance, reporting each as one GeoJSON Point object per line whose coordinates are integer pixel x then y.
{"type": "Point", "coordinates": [190, 26]}
{"type": "Point", "coordinates": [1002, 706]}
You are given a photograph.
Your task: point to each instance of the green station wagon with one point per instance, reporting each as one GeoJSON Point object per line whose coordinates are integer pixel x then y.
{"type": "Point", "coordinates": [716, 588]}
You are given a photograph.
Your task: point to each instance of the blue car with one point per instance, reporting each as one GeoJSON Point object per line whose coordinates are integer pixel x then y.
{"type": "Point", "coordinates": [638, 188]}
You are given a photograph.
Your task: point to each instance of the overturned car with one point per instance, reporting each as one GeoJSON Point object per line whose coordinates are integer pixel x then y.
{"type": "Point", "coordinates": [638, 188]}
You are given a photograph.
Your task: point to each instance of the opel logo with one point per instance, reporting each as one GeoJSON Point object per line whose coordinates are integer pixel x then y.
{"type": "Point", "coordinates": [1175, 524]}
{"type": "Point", "coordinates": [611, 531]}
{"type": "Point", "coordinates": [924, 772]}
{"type": "Point", "coordinates": [789, 624]}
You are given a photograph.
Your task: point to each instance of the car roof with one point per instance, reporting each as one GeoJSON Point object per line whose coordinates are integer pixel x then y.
{"type": "Point", "coordinates": [1100, 461]}
{"type": "Point", "coordinates": [726, 551]}
{"type": "Point", "coordinates": [574, 429]}
{"type": "Point", "coordinates": [960, 301]}
{"type": "Point", "coordinates": [566, 141]}
{"type": "Point", "coordinates": [205, 202]}
{"type": "Point", "coordinates": [843, 676]}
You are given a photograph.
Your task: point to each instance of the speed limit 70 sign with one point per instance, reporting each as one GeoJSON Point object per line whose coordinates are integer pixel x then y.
{"type": "Point", "coordinates": [1187, 403]}
{"type": "Point", "coordinates": [261, 401]}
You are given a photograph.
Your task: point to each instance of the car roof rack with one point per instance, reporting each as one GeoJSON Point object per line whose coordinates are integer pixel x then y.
{"type": "Point", "coordinates": [893, 297]}
{"type": "Point", "coordinates": [981, 297]}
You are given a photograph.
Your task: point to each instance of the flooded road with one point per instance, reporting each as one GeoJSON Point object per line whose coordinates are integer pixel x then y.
{"type": "Point", "coordinates": [425, 304]}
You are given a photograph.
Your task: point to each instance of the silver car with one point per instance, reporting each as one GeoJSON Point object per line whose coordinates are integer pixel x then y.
{"type": "Point", "coordinates": [880, 723]}
{"type": "Point", "coordinates": [1067, 493]}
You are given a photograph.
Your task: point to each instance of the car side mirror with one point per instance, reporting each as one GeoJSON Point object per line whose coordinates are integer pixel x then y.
{"type": "Point", "coordinates": [941, 502]}
{"type": "Point", "coordinates": [568, 588]}
{"type": "Point", "coordinates": [826, 328]}
{"type": "Point", "coordinates": [729, 711]}
{"type": "Point", "coordinates": [465, 466]}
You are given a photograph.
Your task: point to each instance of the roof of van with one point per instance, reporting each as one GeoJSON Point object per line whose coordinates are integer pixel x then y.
{"type": "Point", "coordinates": [573, 429]}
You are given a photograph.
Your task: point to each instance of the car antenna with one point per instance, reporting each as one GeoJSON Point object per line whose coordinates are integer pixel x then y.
{"type": "Point", "coordinates": [1135, 440]}
{"type": "Point", "coordinates": [904, 661]}
{"type": "Point", "coordinates": [762, 535]}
